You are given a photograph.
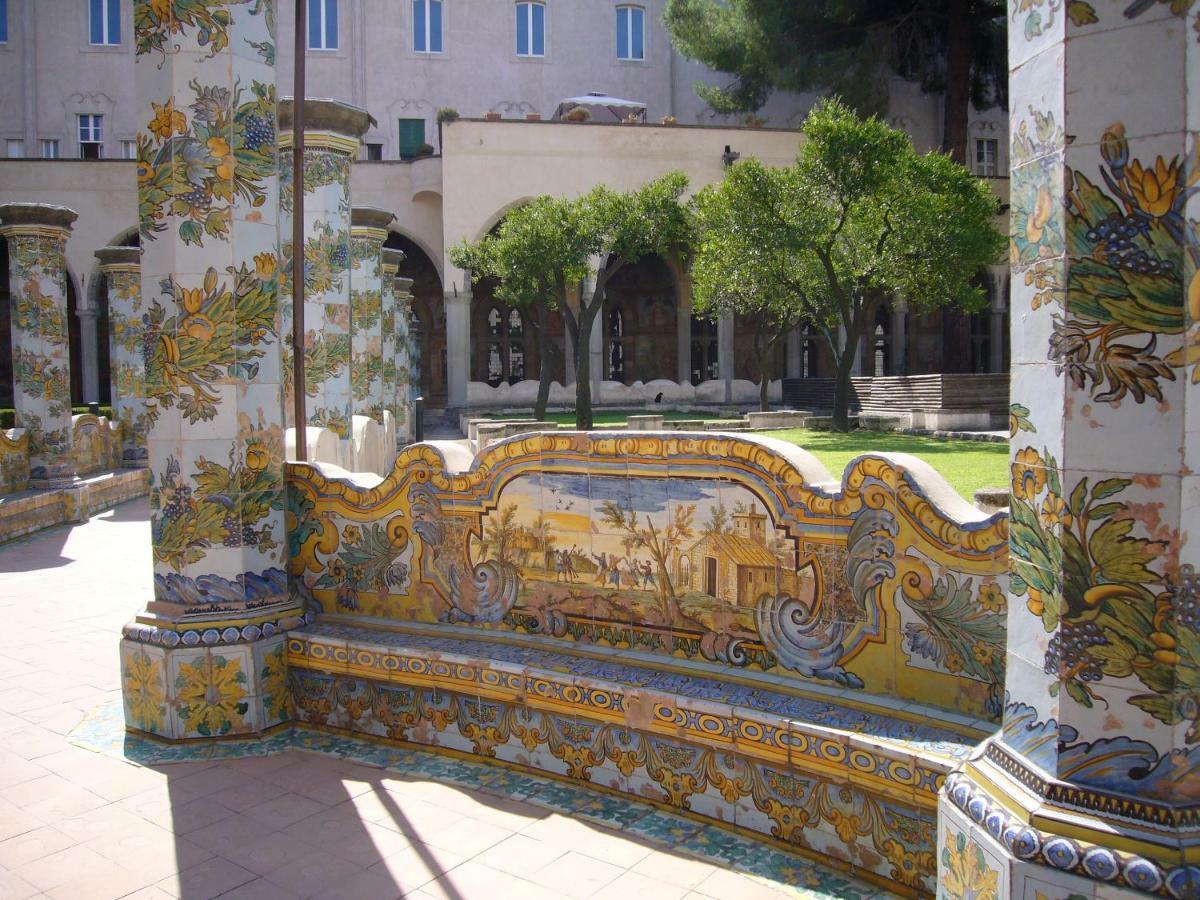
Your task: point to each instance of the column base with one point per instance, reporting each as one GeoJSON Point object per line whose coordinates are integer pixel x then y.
{"type": "Point", "coordinates": [1003, 824]}
{"type": "Point", "coordinates": [206, 682]}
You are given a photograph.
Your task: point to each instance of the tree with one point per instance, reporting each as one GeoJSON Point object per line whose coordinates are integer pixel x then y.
{"type": "Point", "coordinates": [500, 535]}
{"type": "Point", "coordinates": [851, 48]}
{"type": "Point", "coordinates": [859, 215]}
{"type": "Point", "coordinates": [535, 253]}
{"type": "Point", "coordinates": [624, 228]}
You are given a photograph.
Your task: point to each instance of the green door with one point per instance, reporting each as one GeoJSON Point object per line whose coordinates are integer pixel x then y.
{"type": "Point", "coordinates": [412, 136]}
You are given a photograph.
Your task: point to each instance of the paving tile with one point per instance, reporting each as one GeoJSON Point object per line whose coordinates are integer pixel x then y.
{"type": "Point", "coordinates": [631, 884]}
{"type": "Point", "coordinates": [32, 845]}
{"type": "Point", "coordinates": [521, 855]}
{"type": "Point", "coordinates": [14, 887]}
{"type": "Point", "coordinates": [472, 879]}
{"type": "Point", "coordinates": [206, 880]}
{"type": "Point", "coordinates": [673, 868]}
{"type": "Point", "coordinates": [577, 875]}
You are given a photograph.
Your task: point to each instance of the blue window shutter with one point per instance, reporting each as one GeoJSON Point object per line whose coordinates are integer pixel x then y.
{"type": "Point", "coordinates": [331, 24]}
{"type": "Point", "coordinates": [114, 21]}
{"type": "Point", "coordinates": [522, 29]}
{"type": "Point", "coordinates": [419, 25]}
{"type": "Point", "coordinates": [96, 21]}
{"type": "Point", "coordinates": [3, 21]}
{"type": "Point", "coordinates": [622, 32]}
{"type": "Point", "coordinates": [435, 26]}
{"type": "Point", "coordinates": [539, 29]}
{"type": "Point", "coordinates": [637, 17]}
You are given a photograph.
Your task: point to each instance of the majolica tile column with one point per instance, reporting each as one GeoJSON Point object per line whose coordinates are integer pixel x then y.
{"type": "Point", "coordinates": [408, 360]}
{"type": "Point", "coordinates": [389, 265]}
{"type": "Point", "coordinates": [206, 657]}
{"type": "Point", "coordinates": [37, 276]}
{"type": "Point", "coordinates": [331, 140]}
{"type": "Point", "coordinates": [368, 231]}
{"type": "Point", "coordinates": [1091, 787]}
{"type": "Point", "coordinates": [126, 351]}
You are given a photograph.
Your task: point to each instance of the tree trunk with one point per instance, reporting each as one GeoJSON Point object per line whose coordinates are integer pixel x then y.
{"type": "Point", "coordinates": [764, 384]}
{"type": "Point", "coordinates": [841, 386]}
{"type": "Point", "coordinates": [583, 371]}
{"type": "Point", "coordinates": [958, 79]}
{"type": "Point", "coordinates": [546, 350]}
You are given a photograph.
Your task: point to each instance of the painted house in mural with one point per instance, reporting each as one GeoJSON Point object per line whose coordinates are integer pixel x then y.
{"type": "Point", "coordinates": [737, 566]}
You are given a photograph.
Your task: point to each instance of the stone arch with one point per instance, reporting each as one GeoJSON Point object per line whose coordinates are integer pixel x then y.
{"type": "Point", "coordinates": [497, 217]}
{"type": "Point", "coordinates": [429, 313]}
{"type": "Point", "coordinates": [640, 321]}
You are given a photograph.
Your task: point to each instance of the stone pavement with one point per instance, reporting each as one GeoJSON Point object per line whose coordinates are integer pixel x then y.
{"type": "Point", "coordinates": [76, 823]}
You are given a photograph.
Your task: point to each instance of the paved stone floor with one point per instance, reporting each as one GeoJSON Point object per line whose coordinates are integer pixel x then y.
{"type": "Point", "coordinates": [78, 823]}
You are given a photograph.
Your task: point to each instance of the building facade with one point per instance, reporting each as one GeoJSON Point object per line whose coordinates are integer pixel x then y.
{"type": "Point", "coordinates": [67, 122]}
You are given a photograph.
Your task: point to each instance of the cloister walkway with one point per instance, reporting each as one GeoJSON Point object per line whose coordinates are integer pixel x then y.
{"type": "Point", "coordinates": [81, 818]}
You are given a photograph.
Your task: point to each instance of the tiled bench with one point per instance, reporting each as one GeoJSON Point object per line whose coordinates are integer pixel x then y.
{"type": "Point", "coordinates": [846, 778]}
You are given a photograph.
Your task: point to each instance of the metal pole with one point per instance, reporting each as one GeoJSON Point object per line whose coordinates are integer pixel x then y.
{"type": "Point", "coordinates": [298, 234]}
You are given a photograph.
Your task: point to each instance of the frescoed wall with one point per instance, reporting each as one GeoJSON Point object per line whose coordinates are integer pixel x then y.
{"type": "Point", "coordinates": [718, 549]}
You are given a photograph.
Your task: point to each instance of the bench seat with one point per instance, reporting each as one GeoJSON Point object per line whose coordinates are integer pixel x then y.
{"type": "Point", "coordinates": [828, 771]}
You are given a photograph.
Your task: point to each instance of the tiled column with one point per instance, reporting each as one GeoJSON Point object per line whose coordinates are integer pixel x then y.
{"type": "Point", "coordinates": [89, 352]}
{"type": "Point", "coordinates": [389, 265]}
{"type": "Point", "coordinates": [37, 277]}
{"type": "Point", "coordinates": [205, 658]}
{"type": "Point", "coordinates": [331, 139]}
{"type": "Point", "coordinates": [126, 357]}
{"type": "Point", "coordinates": [1092, 785]}
{"type": "Point", "coordinates": [368, 231]}
{"type": "Point", "coordinates": [458, 344]}
{"type": "Point", "coordinates": [408, 361]}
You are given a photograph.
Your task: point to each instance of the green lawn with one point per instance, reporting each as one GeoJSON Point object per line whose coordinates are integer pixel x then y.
{"type": "Point", "coordinates": [602, 417]}
{"type": "Point", "coordinates": [967, 465]}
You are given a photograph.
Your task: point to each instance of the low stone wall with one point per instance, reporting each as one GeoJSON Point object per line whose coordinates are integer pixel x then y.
{"type": "Point", "coordinates": [95, 444]}
{"type": "Point", "coordinates": [616, 393]}
{"type": "Point", "coordinates": [14, 460]}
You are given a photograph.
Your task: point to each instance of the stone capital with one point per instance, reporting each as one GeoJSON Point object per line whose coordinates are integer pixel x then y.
{"type": "Point", "coordinates": [327, 123]}
{"type": "Point", "coordinates": [119, 259]}
{"type": "Point", "coordinates": [36, 218]}
{"type": "Point", "coordinates": [404, 286]}
{"type": "Point", "coordinates": [391, 259]}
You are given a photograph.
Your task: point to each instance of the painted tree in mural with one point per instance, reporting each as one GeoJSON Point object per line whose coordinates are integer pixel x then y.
{"type": "Point", "coordinates": [660, 543]}
{"type": "Point", "coordinates": [535, 254]}
{"type": "Point", "coordinates": [851, 49]}
{"type": "Point", "coordinates": [859, 215]}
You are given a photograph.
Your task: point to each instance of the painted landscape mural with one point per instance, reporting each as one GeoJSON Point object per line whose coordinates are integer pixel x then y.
{"type": "Point", "coordinates": [720, 550]}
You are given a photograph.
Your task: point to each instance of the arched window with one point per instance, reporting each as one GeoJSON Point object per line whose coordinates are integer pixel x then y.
{"type": "Point", "coordinates": [808, 351]}
{"type": "Point", "coordinates": [531, 29]}
{"type": "Point", "coordinates": [881, 341]}
{"type": "Point", "coordinates": [615, 338]}
{"type": "Point", "coordinates": [505, 357]}
{"type": "Point", "coordinates": [705, 366]}
{"type": "Point", "coordinates": [685, 572]}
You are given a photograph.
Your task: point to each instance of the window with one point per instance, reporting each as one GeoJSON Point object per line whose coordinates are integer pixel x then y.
{"type": "Point", "coordinates": [985, 157]}
{"type": "Point", "coordinates": [104, 21]}
{"type": "Point", "coordinates": [128, 149]}
{"type": "Point", "coordinates": [14, 148]}
{"type": "Point", "coordinates": [375, 151]}
{"type": "Point", "coordinates": [615, 357]}
{"type": "Point", "coordinates": [531, 29]}
{"type": "Point", "coordinates": [427, 26]}
{"type": "Point", "coordinates": [50, 149]}
{"type": "Point", "coordinates": [322, 25]}
{"type": "Point", "coordinates": [91, 136]}
{"type": "Point", "coordinates": [412, 137]}
{"type": "Point", "coordinates": [3, 21]}
{"type": "Point", "coordinates": [506, 346]}
{"type": "Point", "coordinates": [704, 350]}
{"type": "Point", "coordinates": [631, 35]}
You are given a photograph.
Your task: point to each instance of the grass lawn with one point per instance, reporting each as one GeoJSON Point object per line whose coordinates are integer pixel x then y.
{"type": "Point", "coordinates": [967, 465]}
{"type": "Point", "coordinates": [602, 417]}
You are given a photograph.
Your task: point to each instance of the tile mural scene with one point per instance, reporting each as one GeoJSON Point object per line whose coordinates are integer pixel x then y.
{"type": "Point", "coordinates": [700, 449]}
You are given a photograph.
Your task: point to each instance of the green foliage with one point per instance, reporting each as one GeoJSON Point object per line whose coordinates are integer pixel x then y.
{"type": "Point", "coordinates": [849, 47]}
{"type": "Point", "coordinates": [447, 114]}
{"type": "Point", "coordinates": [859, 215]}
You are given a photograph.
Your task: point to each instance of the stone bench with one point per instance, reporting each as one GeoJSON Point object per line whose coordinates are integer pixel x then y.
{"type": "Point", "coordinates": [814, 769]}
{"type": "Point", "coordinates": [707, 620]}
